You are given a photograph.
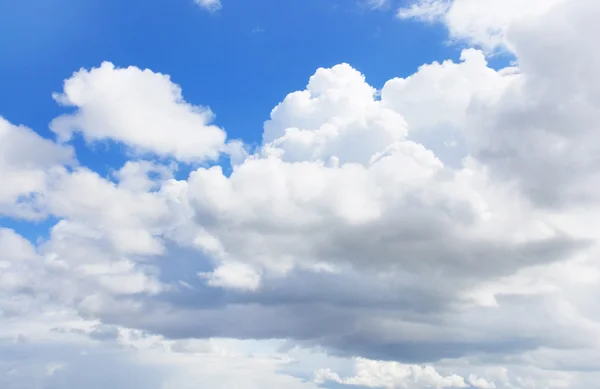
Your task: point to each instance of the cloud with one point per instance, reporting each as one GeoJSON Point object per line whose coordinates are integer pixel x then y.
{"type": "Point", "coordinates": [136, 360]}
{"type": "Point", "coordinates": [402, 236]}
{"type": "Point", "coordinates": [447, 374]}
{"type": "Point", "coordinates": [448, 89]}
{"type": "Point", "coordinates": [210, 5]}
{"type": "Point", "coordinates": [479, 22]}
{"type": "Point", "coordinates": [391, 375]}
{"type": "Point", "coordinates": [377, 4]}
{"type": "Point", "coordinates": [426, 10]}
{"type": "Point", "coordinates": [139, 108]}
{"type": "Point", "coordinates": [27, 164]}
{"type": "Point", "coordinates": [542, 131]}
{"type": "Point", "coordinates": [233, 275]}
{"type": "Point", "coordinates": [442, 229]}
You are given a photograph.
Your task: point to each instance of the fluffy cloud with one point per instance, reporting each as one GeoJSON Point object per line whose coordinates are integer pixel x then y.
{"type": "Point", "coordinates": [130, 220]}
{"type": "Point", "coordinates": [27, 164]}
{"type": "Point", "coordinates": [382, 215]}
{"type": "Point", "coordinates": [367, 193]}
{"type": "Point", "coordinates": [446, 222]}
{"type": "Point", "coordinates": [335, 120]}
{"type": "Point", "coordinates": [139, 108]}
{"type": "Point", "coordinates": [448, 89]}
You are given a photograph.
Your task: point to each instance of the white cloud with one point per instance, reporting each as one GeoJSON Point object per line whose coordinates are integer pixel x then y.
{"type": "Point", "coordinates": [130, 220]}
{"type": "Point", "coordinates": [377, 4]}
{"type": "Point", "coordinates": [336, 117]}
{"type": "Point", "coordinates": [471, 270]}
{"type": "Point", "coordinates": [143, 176]}
{"type": "Point", "coordinates": [425, 10]}
{"type": "Point", "coordinates": [18, 258]}
{"type": "Point", "coordinates": [210, 5]}
{"type": "Point", "coordinates": [479, 22]}
{"type": "Point", "coordinates": [480, 383]}
{"type": "Point", "coordinates": [140, 108]}
{"type": "Point", "coordinates": [340, 172]}
{"type": "Point", "coordinates": [446, 88]}
{"type": "Point", "coordinates": [233, 275]}
{"type": "Point", "coordinates": [27, 164]}
{"type": "Point", "coordinates": [393, 375]}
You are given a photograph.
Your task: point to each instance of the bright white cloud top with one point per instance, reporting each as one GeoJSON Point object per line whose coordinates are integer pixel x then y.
{"type": "Point", "coordinates": [438, 233]}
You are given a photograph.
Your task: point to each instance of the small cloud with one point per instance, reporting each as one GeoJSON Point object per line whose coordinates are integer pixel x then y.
{"type": "Point", "coordinates": [258, 30]}
{"type": "Point", "coordinates": [186, 285]}
{"type": "Point", "coordinates": [233, 275]}
{"type": "Point", "coordinates": [426, 10]}
{"type": "Point", "coordinates": [450, 143]}
{"type": "Point", "coordinates": [53, 368]}
{"type": "Point", "coordinates": [210, 5]}
{"type": "Point", "coordinates": [376, 4]}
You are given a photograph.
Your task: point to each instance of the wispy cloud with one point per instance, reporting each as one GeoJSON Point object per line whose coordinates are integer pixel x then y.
{"type": "Point", "coordinates": [210, 5]}
{"type": "Point", "coordinates": [376, 4]}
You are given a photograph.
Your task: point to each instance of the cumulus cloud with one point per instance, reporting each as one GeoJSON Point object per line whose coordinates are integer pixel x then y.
{"type": "Point", "coordinates": [139, 108]}
{"type": "Point", "coordinates": [335, 120]}
{"type": "Point", "coordinates": [442, 229]}
{"type": "Point", "coordinates": [448, 89]}
{"type": "Point", "coordinates": [384, 215]}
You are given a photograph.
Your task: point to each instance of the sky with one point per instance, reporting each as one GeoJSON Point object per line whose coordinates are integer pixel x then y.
{"type": "Point", "coordinates": [301, 194]}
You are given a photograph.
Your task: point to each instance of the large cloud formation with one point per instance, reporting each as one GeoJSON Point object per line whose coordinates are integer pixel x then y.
{"type": "Point", "coordinates": [437, 233]}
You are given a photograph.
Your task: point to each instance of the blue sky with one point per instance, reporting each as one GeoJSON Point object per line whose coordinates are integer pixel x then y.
{"type": "Point", "coordinates": [393, 194]}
